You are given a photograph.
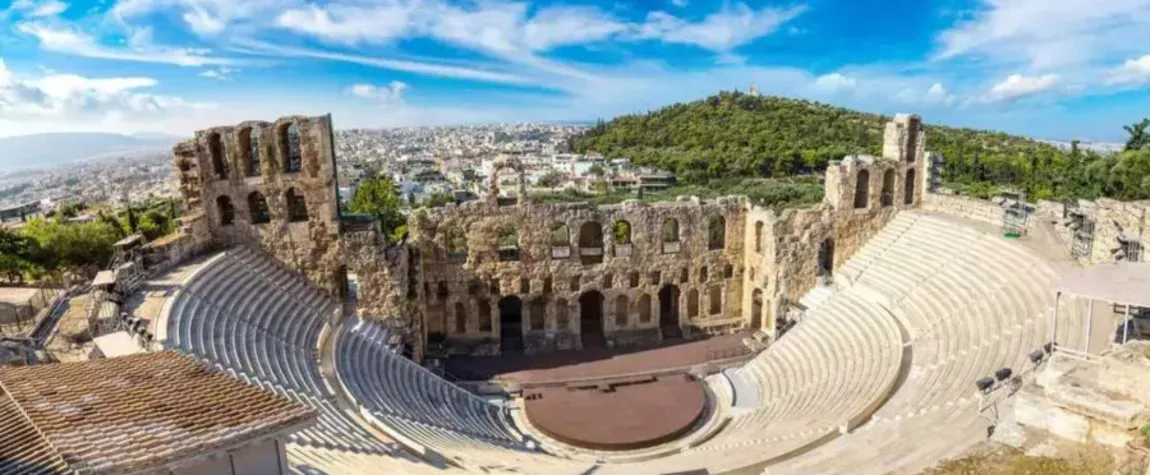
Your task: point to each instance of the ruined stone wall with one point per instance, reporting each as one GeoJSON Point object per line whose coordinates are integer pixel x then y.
{"type": "Point", "coordinates": [966, 207]}
{"type": "Point", "coordinates": [549, 280]}
{"type": "Point", "coordinates": [239, 164]}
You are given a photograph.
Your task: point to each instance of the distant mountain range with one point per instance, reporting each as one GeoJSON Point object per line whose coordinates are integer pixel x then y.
{"type": "Point", "coordinates": [44, 150]}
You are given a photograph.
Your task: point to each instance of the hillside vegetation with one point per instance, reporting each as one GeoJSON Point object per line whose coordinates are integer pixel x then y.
{"type": "Point", "coordinates": [737, 135]}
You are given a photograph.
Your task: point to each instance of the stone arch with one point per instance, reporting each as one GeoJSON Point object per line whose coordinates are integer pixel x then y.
{"type": "Point", "coordinates": [887, 188]}
{"type": "Point", "coordinates": [645, 308]}
{"type": "Point", "coordinates": [562, 314]}
{"type": "Point", "coordinates": [218, 153]}
{"type": "Point", "coordinates": [296, 205]}
{"type": "Point", "coordinates": [521, 180]}
{"type": "Point", "coordinates": [826, 257]}
{"type": "Point", "coordinates": [591, 319]}
{"type": "Point", "coordinates": [862, 189]}
{"type": "Point", "coordinates": [510, 324]}
{"type": "Point", "coordinates": [441, 292]}
{"type": "Point", "coordinates": [670, 230]}
{"type": "Point", "coordinates": [621, 310]}
{"type": "Point", "coordinates": [715, 299]}
{"type": "Point", "coordinates": [693, 303]}
{"type": "Point", "coordinates": [560, 236]}
{"type": "Point", "coordinates": [591, 243]}
{"type": "Point", "coordinates": [538, 313]}
{"type": "Point", "coordinates": [484, 315]}
{"type": "Point", "coordinates": [508, 242]}
{"type": "Point", "coordinates": [716, 233]}
{"type": "Point", "coordinates": [287, 135]}
{"type": "Point", "coordinates": [912, 131]}
{"type": "Point", "coordinates": [758, 236]}
{"type": "Point", "coordinates": [455, 242]}
{"type": "Point", "coordinates": [756, 309]}
{"type": "Point", "coordinates": [460, 318]}
{"type": "Point", "coordinates": [621, 232]}
{"type": "Point", "coordinates": [258, 208]}
{"type": "Point", "coordinates": [226, 209]}
{"type": "Point", "coordinates": [249, 139]}
{"type": "Point", "coordinates": [908, 193]}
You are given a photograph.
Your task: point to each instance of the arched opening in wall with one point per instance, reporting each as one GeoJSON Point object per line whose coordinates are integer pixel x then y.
{"type": "Point", "coordinates": [645, 309]}
{"type": "Point", "coordinates": [344, 285]}
{"type": "Point", "coordinates": [888, 188]}
{"type": "Point", "coordinates": [716, 233]}
{"type": "Point", "coordinates": [508, 243]}
{"type": "Point", "coordinates": [484, 316]}
{"type": "Point", "coordinates": [757, 309]}
{"type": "Point", "coordinates": [562, 315]}
{"type": "Point", "coordinates": [911, 139]}
{"type": "Point", "coordinates": [669, 311]}
{"type": "Point", "coordinates": [560, 242]}
{"type": "Point", "coordinates": [297, 206]}
{"type": "Point", "coordinates": [715, 300]}
{"type": "Point", "coordinates": [621, 311]}
{"type": "Point", "coordinates": [670, 234]}
{"type": "Point", "coordinates": [250, 144]}
{"type": "Point", "coordinates": [862, 189]}
{"type": "Point", "coordinates": [460, 318]}
{"type": "Point", "coordinates": [456, 243]}
{"type": "Point", "coordinates": [728, 271]}
{"type": "Point", "coordinates": [227, 211]}
{"type": "Point", "coordinates": [826, 257]}
{"type": "Point", "coordinates": [218, 154]}
{"type": "Point", "coordinates": [288, 137]}
{"type": "Point", "coordinates": [758, 236]}
{"type": "Point", "coordinates": [693, 303]}
{"type": "Point", "coordinates": [547, 285]}
{"type": "Point", "coordinates": [538, 311]}
{"type": "Point", "coordinates": [258, 208]}
{"type": "Point", "coordinates": [591, 319]}
{"type": "Point", "coordinates": [621, 236]}
{"type": "Point", "coordinates": [510, 325]}
{"type": "Point", "coordinates": [908, 195]}
{"type": "Point", "coordinates": [591, 243]}
{"type": "Point", "coordinates": [441, 290]}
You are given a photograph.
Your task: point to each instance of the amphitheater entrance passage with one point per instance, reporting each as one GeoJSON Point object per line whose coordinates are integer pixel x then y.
{"type": "Point", "coordinates": [827, 257]}
{"type": "Point", "coordinates": [510, 325]}
{"type": "Point", "coordinates": [669, 312]}
{"type": "Point", "coordinates": [591, 319]}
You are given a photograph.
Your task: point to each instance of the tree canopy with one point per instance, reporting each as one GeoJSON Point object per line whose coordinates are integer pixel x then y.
{"type": "Point", "coordinates": [379, 197]}
{"type": "Point", "coordinates": [737, 135]}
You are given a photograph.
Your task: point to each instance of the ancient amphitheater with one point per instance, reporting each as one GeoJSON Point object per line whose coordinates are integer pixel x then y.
{"type": "Point", "coordinates": [871, 316]}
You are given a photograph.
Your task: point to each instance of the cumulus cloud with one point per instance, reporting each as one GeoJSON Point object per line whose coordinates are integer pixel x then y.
{"type": "Point", "coordinates": [1134, 72]}
{"type": "Point", "coordinates": [222, 73]}
{"type": "Point", "coordinates": [935, 95]}
{"type": "Point", "coordinates": [834, 83]}
{"type": "Point", "coordinates": [392, 93]}
{"type": "Point", "coordinates": [722, 31]}
{"type": "Point", "coordinates": [1017, 86]}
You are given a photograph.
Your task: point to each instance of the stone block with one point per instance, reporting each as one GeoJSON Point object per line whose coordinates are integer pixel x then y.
{"type": "Point", "coordinates": [1068, 425]}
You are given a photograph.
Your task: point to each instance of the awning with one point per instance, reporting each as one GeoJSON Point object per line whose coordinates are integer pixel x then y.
{"type": "Point", "coordinates": [1126, 283]}
{"type": "Point", "coordinates": [104, 277]}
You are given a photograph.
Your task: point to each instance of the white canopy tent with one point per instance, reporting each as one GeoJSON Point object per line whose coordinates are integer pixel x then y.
{"type": "Point", "coordinates": [1123, 283]}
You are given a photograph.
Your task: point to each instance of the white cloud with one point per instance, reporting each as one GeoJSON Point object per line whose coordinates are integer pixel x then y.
{"type": "Point", "coordinates": [935, 95]}
{"type": "Point", "coordinates": [350, 24]}
{"type": "Point", "coordinates": [1048, 34]}
{"type": "Point", "coordinates": [222, 73]}
{"type": "Point", "coordinates": [67, 41]}
{"type": "Point", "coordinates": [1134, 72]}
{"type": "Point", "coordinates": [392, 93]}
{"type": "Point", "coordinates": [1017, 86]}
{"type": "Point", "coordinates": [724, 30]}
{"type": "Point", "coordinates": [48, 8]}
{"type": "Point", "coordinates": [834, 83]}
{"type": "Point", "coordinates": [679, 3]}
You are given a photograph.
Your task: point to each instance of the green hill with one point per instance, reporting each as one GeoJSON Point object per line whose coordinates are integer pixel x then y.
{"type": "Point", "coordinates": [737, 135]}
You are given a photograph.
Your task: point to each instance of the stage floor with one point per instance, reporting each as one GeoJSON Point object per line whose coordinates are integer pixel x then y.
{"type": "Point", "coordinates": [594, 363]}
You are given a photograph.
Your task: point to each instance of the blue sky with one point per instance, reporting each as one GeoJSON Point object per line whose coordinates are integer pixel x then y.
{"type": "Point", "coordinates": [1046, 68]}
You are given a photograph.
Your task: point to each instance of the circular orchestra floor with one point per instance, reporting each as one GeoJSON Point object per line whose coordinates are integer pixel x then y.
{"type": "Point", "coordinates": [619, 414]}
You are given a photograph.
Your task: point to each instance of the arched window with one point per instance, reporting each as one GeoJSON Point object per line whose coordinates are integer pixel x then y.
{"type": "Point", "coordinates": [508, 243]}
{"type": "Point", "coordinates": [702, 274]}
{"type": "Point", "coordinates": [670, 230]}
{"type": "Point", "coordinates": [728, 271]}
{"type": "Point", "coordinates": [591, 242]}
{"type": "Point", "coordinates": [441, 290]}
{"type": "Point", "coordinates": [460, 318]}
{"type": "Point", "coordinates": [560, 242]}
{"type": "Point", "coordinates": [862, 190]}
{"type": "Point", "coordinates": [911, 138]}
{"type": "Point", "coordinates": [561, 314]}
{"type": "Point", "coordinates": [715, 299]}
{"type": "Point", "coordinates": [297, 206]}
{"type": "Point", "coordinates": [621, 310]}
{"type": "Point", "coordinates": [888, 188]}
{"type": "Point", "coordinates": [456, 243]}
{"type": "Point", "coordinates": [258, 208]}
{"type": "Point", "coordinates": [219, 155]}
{"type": "Point", "coordinates": [716, 233]}
{"type": "Point", "coordinates": [621, 232]}
{"type": "Point", "coordinates": [288, 136]}
{"type": "Point", "coordinates": [908, 195]}
{"type": "Point", "coordinates": [547, 285]}
{"type": "Point", "coordinates": [227, 211]}
{"type": "Point", "coordinates": [693, 303]}
{"type": "Point", "coordinates": [645, 309]}
{"type": "Point", "coordinates": [250, 143]}
{"type": "Point", "coordinates": [484, 315]}
{"type": "Point", "coordinates": [538, 309]}
{"type": "Point", "coordinates": [758, 236]}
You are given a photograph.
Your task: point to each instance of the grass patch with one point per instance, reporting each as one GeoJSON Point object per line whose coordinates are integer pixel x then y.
{"type": "Point", "coordinates": [1008, 461]}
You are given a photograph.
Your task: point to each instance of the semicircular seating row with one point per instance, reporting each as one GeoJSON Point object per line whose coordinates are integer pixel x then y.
{"type": "Point", "coordinates": [971, 302]}
{"type": "Point", "coordinates": [250, 317]}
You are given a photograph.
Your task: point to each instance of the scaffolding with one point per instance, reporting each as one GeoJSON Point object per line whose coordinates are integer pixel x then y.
{"type": "Point", "coordinates": [1015, 213]}
{"type": "Point", "coordinates": [1129, 249]}
{"type": "Point", "coordinates": [1081, 227]}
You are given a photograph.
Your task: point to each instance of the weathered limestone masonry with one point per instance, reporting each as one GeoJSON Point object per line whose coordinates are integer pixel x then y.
{"type": "Point", "coordinates": [271, 185]}
{"type": "Point", "coordinates": [1098, 229]}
